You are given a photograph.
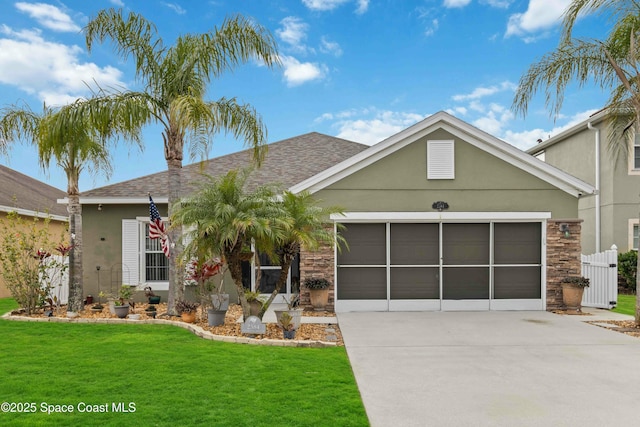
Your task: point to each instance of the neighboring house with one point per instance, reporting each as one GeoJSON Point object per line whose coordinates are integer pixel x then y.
{"type": "Point", "coordinates": [441, 216]}
{"type": "Point", "coordinates": [610, 216]}
{"type": "Point", "coordinates": [31, 198]}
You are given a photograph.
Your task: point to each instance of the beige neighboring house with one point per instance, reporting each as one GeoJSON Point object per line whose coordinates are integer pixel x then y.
{"type": "Point", "coordinates": [30, 198]}
{"type": "Point", "coordinates": [611, 215]}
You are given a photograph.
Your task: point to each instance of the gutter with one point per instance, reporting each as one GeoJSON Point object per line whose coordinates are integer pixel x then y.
{"type": "Point", "coordinates": [597, 171]}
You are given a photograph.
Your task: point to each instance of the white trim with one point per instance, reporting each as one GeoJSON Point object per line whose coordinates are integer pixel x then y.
{"type": "Point", "coordinates": [465, 305]}
{"type": "Point", "coordinates": [29, 212]}
{"type": "Point", "coordinates": [117, 200]}
{"type": "Point", "coordinates": [344, 306]}
{"type": "Point", "coordinates": [518, 304]}
{"type": "Point", "coordinates": [460, 129]}
{"type": "Point", "coordinates": [632, 222]}
{"type": "Point", "coordinates": [439, 216]}
{"type": "Point", "coordinates": [414, 305]}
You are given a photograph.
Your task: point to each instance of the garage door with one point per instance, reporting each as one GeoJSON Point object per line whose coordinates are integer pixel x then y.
{"type": "Point", "coordinates": [441, 266]}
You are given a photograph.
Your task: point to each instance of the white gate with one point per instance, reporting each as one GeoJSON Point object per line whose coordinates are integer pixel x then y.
{"type": "Point", "coordinates": [58, 278]}
{"type": "Point", "coordinates": [602, 271]}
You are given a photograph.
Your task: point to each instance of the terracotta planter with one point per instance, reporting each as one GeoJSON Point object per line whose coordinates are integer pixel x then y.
{"type": "Point", "coordinates": [188, 317]}
{"type": "Point", "coordinates": [572, 296]}
{"type": "Point", "coordinates": [319, 298]}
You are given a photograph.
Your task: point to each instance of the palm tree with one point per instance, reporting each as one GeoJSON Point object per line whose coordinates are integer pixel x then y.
{"type": "Point", "coordinates": [72, 141]}
{"type": "Point", "coordinates": [225, 219]}
{"type": "Point", "coordinates": [306, 226]}
{"type": "Point", "coordinates": [612, 64]}
{"type": "Point", "coordinates": [175, 81]}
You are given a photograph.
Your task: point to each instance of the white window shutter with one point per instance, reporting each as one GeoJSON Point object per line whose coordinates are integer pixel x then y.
{"type": "Point", "coordinates": [131, 250]}
{"type": "Point", "coordinates": [440, 160]}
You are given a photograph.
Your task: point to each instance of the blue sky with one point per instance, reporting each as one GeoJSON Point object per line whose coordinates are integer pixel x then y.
{"type": "Point", "coordinates": [357, 69]}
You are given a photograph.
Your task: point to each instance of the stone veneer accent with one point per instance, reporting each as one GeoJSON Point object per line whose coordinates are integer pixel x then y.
{"type": "Point", "coordinates": [563, 257]}
{"type": "Point", "coordinates": [317, 264]}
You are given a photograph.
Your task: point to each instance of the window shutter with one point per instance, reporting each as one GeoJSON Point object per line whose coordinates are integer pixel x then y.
{"type": "Point", "coordinates": [440, 160]}
{"type": "Point", "coordinates": [131, 251]}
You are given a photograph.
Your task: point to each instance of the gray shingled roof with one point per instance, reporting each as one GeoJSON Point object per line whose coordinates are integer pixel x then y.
{"type": "Point", "coordinates": [23, 192]}
{"type": "Point", "coordinates": [287, 162]}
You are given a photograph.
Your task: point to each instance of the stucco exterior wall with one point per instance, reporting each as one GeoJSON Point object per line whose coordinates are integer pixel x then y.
{"type": "Point", "coordinates": [483, 183]}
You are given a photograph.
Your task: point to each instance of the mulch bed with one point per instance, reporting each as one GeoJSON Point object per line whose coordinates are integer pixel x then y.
{"type": "Point", "coordinates": [231, 327]}
{"type": "Point", "coordinates": [627, 327]}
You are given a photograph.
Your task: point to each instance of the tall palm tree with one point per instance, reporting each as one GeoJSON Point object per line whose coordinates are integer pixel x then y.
{"type": "Point", "coordinates": [613, 64]}
{"type": "Point", "coordinates": [74, 144]}
{"type": "Point", "coordinates": [225, 219]}
{"type": "Point", "coordinates": [306, 226]}
{"type": "Point", "coordinates": [175, 81]}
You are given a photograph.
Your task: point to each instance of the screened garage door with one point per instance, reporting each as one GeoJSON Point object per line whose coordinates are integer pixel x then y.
{"type": "Point", "coordinates": [441, 266]}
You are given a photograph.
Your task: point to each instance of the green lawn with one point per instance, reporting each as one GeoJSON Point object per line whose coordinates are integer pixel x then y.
{"type": "Point", "coordinates": [164, 375]}
{"type": "Point", "coordinates": [626, 305]}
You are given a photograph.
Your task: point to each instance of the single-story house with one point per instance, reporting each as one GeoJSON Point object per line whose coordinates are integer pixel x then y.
{"type": "Point", "coordinates": [440, 216]}
{"type": "Point", "coordinates": [31, 198]}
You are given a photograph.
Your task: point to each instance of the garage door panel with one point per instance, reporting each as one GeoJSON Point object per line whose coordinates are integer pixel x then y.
{"type": "Point", "coordinates": [517, 282]}
{"type": "Point", "coordinates": [367, 245]}
{"type": "Point", "coordinates": [465, 283]}
{"type": "Point", "coordinates": [465, 244]}
{"type": "Point", "coordinates": [415, 283]}
{"type": "Point", "coordinates": [363, 283]}
{"type": "Point", "coordinates": [517, 243]}
{"type": "Point", "coordinates": [415, 244]}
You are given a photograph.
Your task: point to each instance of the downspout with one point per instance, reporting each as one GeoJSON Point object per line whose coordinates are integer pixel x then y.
{"type": "Point", "coordinates": [597, 131]}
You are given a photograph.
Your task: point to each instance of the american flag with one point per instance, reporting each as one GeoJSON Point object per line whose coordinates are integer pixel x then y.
{"type": "Point", "coordinates": [156, 227]}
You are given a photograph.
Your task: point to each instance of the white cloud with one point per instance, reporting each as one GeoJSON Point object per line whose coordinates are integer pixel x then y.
{"type": "Point", "coordinates": [48, 16]}
{"type": "Point", "coordinates": [327, 46]}
{"type": "Point", "coordinates": [430, 30]}
{"type": "Point", "coordinates": [118, 3]}
{"type": "Point", "coordinates": [50, 71]}
{"type": "Point", "coordinates": [363, 6]}
{"type": "Point", "coordinates": [369, 125]}
{"type": "Point", "coordinates": [539, 16]}
{"type": "Point", "coordinates": [455, 3]}
{"type": "Point", "coordinates": [293, 33]}
{"type": "Point", "coordinates": [527, 139]}
{"type": "Point", "coordinates": [297, 73]}
{"type": "Point", "coordinates": [176, 8]}
{"type": "Point", "coordinates": [496, 118]}
{"type": "Point", "coordinates": [481, 92]}
{"type": "Point", "coordinates": [325, 5]}
{"type": "Point", "coordinates": [501, 4]}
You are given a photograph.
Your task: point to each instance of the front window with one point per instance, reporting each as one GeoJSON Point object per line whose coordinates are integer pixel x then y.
{"type": "Point", "coordinates": [636, 155]}
{"type": "Point", "coordinates": [636, 231]}
{"type": "Point", "coordinates": [156, 264]}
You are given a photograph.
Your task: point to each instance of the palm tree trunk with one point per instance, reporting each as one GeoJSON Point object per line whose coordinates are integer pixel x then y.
{"type": "Point", "coordinates": [290, 252]}
{"type": "Point", "coordinates": [175, 234]}
{"type": "Point", "coordinates": [75, 255]}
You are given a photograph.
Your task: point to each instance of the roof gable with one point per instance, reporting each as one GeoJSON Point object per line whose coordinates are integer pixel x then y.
{"type": "Point", "coordinates": [459, 129]}
{"type": "Point", "coordinates": [28, 196]}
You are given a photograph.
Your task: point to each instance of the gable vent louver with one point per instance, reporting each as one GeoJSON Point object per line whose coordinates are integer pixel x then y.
{"type": "Point", "coordinates": [440, 160]}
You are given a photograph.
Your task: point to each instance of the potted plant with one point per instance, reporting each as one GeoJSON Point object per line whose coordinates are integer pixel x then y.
{"type": "Point", "coordinates": [288, 328]}
{"type": "Point", "coordinates": [255, 302]}
{"type": "Point", "coordinates": [292, 312]}
{"type": "Point", "coordinates": [187, 310]}
{"type": "Point", "coordinates": [572, 291]}
{"type": "Point", "coordinates": [151, 297]}
{"type": "Point", "coordinates": [123, 303]}
{"type": "Point", "coordinates": [318, 292]}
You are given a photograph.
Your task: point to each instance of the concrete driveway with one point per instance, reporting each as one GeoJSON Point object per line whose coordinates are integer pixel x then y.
{"type": "Point", "coordinates": [491, 369]}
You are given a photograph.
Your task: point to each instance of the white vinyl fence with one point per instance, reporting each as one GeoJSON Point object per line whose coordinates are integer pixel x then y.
{"type": "Point", "coordinates": [602, 271]}
{"type": "Point", "coordinates": [58, 278]}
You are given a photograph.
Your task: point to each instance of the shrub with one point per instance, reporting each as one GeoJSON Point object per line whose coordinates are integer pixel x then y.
{"type": "Point", "coordinates": [627, 268]}
{"type": "Point", "coordinates": [312, 283]}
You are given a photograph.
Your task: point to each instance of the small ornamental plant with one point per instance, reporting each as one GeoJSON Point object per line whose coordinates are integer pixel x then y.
{"type": "Point", "coordinates": [186, 306]}
{"type": "Point", "coordinates": [578, 281]}
{"type": "Point", "coordinates": [313, 283]}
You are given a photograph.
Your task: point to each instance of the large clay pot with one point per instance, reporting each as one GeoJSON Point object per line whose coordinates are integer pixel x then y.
{"type": "Point", "coordinates": [188, 317]}
{"type": "Point", "coordinates": [319, 298]}
{"type": "Point", "coordinates": [572, 296]}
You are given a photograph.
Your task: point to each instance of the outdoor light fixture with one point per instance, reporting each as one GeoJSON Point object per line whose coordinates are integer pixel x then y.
{"type": "Point", "coordinates": [564, 228]}
{"type": "Point", "coordinates": [99, 206]}
{"type": "Point", "coordinates": [440, 206]}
